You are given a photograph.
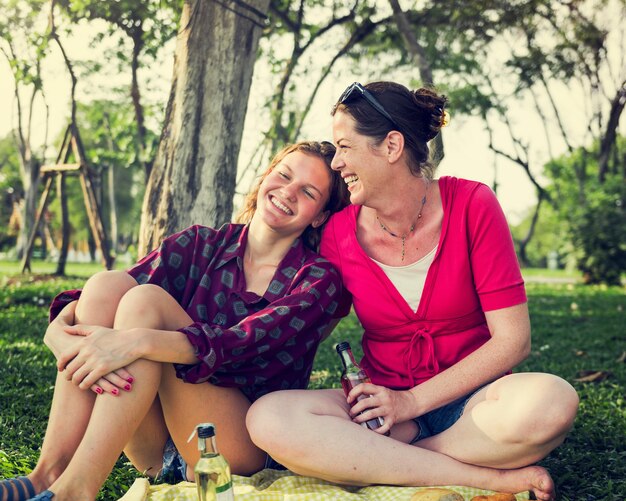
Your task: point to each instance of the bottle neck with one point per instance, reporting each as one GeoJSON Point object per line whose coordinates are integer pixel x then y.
{"type": "Point", "coordinates": [207, 446]}
{"type": "Point", "coordinates": [347, 358]}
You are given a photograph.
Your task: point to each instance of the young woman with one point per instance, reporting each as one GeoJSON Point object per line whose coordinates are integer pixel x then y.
{"type": "Point", "coordinates": [236, 311]}
{"type": "Point", "coordinates": [433, 276]}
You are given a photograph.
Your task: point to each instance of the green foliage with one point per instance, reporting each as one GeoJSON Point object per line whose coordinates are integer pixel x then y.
{"type": "Point", "coordinates": [148, 23]}
{"type": "Point", "coordinates": [599, 234]}
{"type": "Point", "coordinates": [575, 329]}
{"type": "Point", "coordinates": [551, 236]}
{"type": "Point", "coordinates": [108, 131]}
{"type": "Point", "coordinates": [593, 211]}
{"type": "Point", "coordinates": [24, 39]}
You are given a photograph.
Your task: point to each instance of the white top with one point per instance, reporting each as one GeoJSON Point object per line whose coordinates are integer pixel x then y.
{"type": "Point", "coordinates": [410, 279]}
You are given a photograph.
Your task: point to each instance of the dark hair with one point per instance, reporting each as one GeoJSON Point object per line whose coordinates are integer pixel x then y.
{"type": "Point", "coordinates": [417, 114]}
{"type": "Point", "coordinates": [338, 196]}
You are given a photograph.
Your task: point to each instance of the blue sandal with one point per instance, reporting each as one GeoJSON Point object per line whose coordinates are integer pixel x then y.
{"type": "Point", "coordinates": [16, 489]}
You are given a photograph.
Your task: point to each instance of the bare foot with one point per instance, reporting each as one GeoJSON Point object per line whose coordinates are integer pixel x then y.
{"type": "Point", "coordinates": [529, 478]}
{"type": "Point", "coordinates": [541, 483]}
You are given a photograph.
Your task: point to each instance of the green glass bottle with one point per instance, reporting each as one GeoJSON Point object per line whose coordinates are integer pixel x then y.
{"type": "Point", "coordinates": [212, 471]}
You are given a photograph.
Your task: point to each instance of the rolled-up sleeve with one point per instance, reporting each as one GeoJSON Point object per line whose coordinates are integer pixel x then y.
{"type": "Point", "coordinates": [61, 301]}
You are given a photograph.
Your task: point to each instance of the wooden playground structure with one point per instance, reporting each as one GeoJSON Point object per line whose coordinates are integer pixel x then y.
{"type": "Point", "coordinates": [71, 146]}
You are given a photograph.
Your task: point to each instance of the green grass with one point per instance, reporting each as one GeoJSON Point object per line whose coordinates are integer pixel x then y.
{"type": "Point", "coordinates": [544, 272]}
{"type": "Point", "coordinates": [575, 329]}
{"type": "Point", "coordinates": [39, 267]}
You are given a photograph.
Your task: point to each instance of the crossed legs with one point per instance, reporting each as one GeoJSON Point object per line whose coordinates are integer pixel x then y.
{"type": "Point", "coordinates": [510, 424]}
{"type": "Point", "coordinates": [86, 433]}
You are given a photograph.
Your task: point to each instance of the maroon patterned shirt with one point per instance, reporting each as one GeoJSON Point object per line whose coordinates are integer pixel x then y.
{"type": "Point", "coordinates": [257, 343]}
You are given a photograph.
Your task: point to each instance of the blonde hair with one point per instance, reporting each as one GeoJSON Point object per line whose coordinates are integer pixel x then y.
{"type": "Point", "coordinates": [338, 196]}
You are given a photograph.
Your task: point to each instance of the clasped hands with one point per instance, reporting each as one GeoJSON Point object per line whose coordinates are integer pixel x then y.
{"type": "Point", "coordinates": [98, 360]}
{"type": "Point", "coordinates": [392, 405]}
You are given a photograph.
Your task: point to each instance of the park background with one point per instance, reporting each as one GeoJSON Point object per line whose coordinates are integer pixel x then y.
{"type": "Point", "coordinates": [537, 90]}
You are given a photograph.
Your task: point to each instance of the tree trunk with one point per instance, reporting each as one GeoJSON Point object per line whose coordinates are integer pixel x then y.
{"type": "Point", "coordinates": [193, 176]}
{"type": "Point", "coordinates": [65, 224]}
{"type": "Point", "coordinates": [610, 133]}
{"type": "Point", "coordinates": [112, 209]}
{"type": "Point", "coordinates": [523, 243]}
{"type": "Point", "coordinates": [135, 95]}
{"type": "Point", "coordinates": [31, 192]}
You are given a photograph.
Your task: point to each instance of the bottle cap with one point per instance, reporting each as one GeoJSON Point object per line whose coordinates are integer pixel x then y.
{"type": "Point", "coordinates": [343, 346]}
{"type": "Point", "coordinates": [206, 430]}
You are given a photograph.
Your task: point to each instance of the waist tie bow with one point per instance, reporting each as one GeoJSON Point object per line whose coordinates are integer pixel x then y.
{"type": "Point", "coordinates": [421, 355]}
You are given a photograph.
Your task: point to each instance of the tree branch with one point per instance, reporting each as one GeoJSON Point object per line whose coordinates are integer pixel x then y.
{"type": "Point", "coordinates": [54, 36]}
{"type": "Point", "coordinates": [608, 138]}
{"type": "Point", "coordinates": [362, 32]}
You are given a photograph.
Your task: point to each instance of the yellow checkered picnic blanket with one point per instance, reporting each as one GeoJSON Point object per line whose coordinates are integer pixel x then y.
{"type": "Point", "coordinates": [274, 485]}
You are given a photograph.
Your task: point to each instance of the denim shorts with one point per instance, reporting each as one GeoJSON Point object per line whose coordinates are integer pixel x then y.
{"type": "Point", "coordinates": [174, 466]}
{"type": "Point", "coordinates": [439, 420]}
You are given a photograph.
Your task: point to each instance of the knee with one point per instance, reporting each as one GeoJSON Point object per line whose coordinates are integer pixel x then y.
{"type": "Point", "coordinates": [141, 301]}
{"type": "Point", "coordinates": [101, 296]}
{"type": "Point", "coordinates": [548, 413]}
{"type": "Point", "coordinates": [267, 422]}
{"type": "Point", "coordinates": [559, 404]}
{"type": "Point", "coordinates": [109, 283]}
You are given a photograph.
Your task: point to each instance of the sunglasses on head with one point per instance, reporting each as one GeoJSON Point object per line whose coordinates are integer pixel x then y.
{"type": "Point", "coordinates": [357, 90]}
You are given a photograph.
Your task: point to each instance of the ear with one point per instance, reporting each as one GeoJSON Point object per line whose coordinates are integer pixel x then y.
{"type": "Point", "coordinates": [320, 219]}
{"type": "Point", "coordinates": [394, 145]}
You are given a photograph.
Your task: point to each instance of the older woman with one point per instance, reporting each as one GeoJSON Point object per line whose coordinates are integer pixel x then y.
{"type": "Point", "coordinates": [433, 276]}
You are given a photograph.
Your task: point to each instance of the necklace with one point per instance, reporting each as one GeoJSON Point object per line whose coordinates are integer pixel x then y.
{"type": "Point", "coordinates": [403, 237]}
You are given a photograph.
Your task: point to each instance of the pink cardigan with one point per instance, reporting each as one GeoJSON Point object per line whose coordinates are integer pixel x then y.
{"type": "Point", "coordinates": [474, 270]}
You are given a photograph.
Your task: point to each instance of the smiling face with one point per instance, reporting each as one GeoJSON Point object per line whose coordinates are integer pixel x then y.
{"type": "Point", "coordinates": [293, 195]}
{"type": "Point", "coordinates": [362, 166]}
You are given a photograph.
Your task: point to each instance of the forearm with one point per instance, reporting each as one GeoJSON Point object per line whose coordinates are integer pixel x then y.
{"type": "Point", "coordinates": [162, 346]}
{"type": "Point", "coordinates": [55, 338]}
{"type": "Point", "coordinates": [489, 362]}
{"type": "Point", "coordinates": [508, 346]}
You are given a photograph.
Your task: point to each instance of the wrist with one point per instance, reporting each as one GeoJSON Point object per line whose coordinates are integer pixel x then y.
{"type": "Point", "coordinates": [139, 341]}
{"type": "Point", "coordinates": [415, 404]}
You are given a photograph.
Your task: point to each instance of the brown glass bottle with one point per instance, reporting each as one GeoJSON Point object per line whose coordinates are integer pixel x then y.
{"type": "Point", "coordinates": [352, 376]}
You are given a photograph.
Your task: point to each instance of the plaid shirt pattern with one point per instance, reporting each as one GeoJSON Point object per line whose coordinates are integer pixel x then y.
{"type": "Point", "coordinates": [256, 343]}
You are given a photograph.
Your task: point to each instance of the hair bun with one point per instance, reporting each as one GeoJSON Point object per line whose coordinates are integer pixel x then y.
{"type": "Point", "coordinates": [432, 111]}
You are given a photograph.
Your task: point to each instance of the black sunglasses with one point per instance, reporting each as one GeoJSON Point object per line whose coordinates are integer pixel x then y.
{"type": "Point", "coordinates": [357, 90]}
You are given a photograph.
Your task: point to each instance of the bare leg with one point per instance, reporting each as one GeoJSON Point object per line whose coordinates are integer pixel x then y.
{"type": "Point", "coordinates": [97, 305]}
{"type": "Point", "coordinates": [310, 432]}
{"type": "Point", "coordinates": [115, 420]}
{"type": "Point", "coordinates": [225, 407]}
{"type": "Point", "coordinates": [145, 448]}
{"type": "Point", "coordinates": [185, 405]}
{"type": "Point", "coordinates": [514, 422]}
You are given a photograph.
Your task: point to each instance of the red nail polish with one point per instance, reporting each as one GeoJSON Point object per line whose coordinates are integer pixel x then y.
{"type": "Point", "coordinates": [99, 391]}
{"type": "Point", "coordinates": [130, 379]}
{"type": "Point", "coordinates": [115, 391]}
{"type": "Point", "coordinates": [128, 387]}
